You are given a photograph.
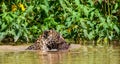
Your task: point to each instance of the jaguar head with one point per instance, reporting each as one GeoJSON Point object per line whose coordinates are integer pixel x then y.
{"type": "Point", "coordinates": [47, 33]}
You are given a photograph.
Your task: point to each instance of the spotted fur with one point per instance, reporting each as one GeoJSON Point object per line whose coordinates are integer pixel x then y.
{"type": "Point", "coordinates": [50, 39]}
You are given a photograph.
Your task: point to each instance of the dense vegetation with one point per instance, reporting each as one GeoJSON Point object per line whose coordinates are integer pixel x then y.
{"type": "Point", "coordinates": [79, 20]}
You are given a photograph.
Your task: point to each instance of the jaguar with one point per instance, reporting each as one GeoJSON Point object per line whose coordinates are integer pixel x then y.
{"type": "Point", "coordinates": [48, 40]}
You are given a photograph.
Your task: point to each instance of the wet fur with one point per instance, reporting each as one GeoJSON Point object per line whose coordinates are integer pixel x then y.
{"type": "Point", "coordinates": [50, 39]}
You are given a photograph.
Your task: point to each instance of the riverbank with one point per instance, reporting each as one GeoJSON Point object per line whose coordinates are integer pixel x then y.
{"type": "Point", "coordinates": [23, 47]}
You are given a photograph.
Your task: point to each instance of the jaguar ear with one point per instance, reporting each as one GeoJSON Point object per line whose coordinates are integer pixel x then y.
{"type": "Point", "coordinates": [45, 34]}
{"type": "Point", "coordinates": [51, 31]}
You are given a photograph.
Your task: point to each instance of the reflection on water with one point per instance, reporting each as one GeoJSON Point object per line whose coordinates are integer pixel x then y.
{"type": "Point", "coordinates": [52, 57]}
{"type": "Point", "coordinates": [81, 56]}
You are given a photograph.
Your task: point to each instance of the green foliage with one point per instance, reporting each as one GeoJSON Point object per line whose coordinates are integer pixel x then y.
{"type": "Point", "coordinates": [75, 19]}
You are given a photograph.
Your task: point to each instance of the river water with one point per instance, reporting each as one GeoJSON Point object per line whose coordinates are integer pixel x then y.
{"type": "Point", "coordinates": [83, 55]}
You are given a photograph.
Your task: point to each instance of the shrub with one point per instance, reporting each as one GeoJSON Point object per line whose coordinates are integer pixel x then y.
{"type": "Point", "coordinates": [95, 20]}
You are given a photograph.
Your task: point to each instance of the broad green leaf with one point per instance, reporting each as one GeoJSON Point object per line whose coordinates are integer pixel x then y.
{"type": "Point", "coordinates": [3, 26]}
{"type": "Point", "coordinates": [83, 25]}
{"type": "Point", "coordinates": [85, 33]}
{"type": "Point", "coordinates": [29, 9]}
{"type": "Point", "coordinates": [102, 19]}
{"type": "Point", "coordinates": [63, 4]}
{"type": "Point", "coordinates": [16, 36]}
{"type": "Point", "coordinates": [4, 15]}
{"type": "Point", "coordinates": [108, 19]}
{"type": "Point", "coordinates": [68, 22]}
{"type": "Point", "coordinates": [111, 36]}
{"type": "Point", "coordinates": [116, 5]}
{"type": "Point", "coordinates": [116, 29]}
{"type": "Point", "coordinates": [100, 1]}
{"type": "Point", "coordinates": [77, 2]}
{"type": "Point", "coordinates": [4, 7]}
{"type": "Point", "coordinates": [46, 3]}
{"type": "Point", "coordinates": [91, 15]}
{"type": "Point", "coordinates": [91, 35]}
{"type": "Point", "coordinates": [2, 35]}
{"type": "Point", "coordinates": [45, 8]}
{"type": "Point", "coordinates": [86, 11]}
{"type": "Point", "coordinates": [91, 2]}
{"type": "Point", "coordinates": [68, 3]}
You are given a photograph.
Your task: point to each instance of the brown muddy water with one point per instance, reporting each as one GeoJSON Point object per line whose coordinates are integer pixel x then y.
{"type": "Point", "coordinates": [83, 55]}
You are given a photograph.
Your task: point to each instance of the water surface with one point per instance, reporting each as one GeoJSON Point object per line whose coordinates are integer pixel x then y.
{"type": "Point", "coordinates": [84, 55]}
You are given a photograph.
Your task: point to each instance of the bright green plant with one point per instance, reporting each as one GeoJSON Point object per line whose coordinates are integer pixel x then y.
{"type": "Point", "coordinates": [91, 20]}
